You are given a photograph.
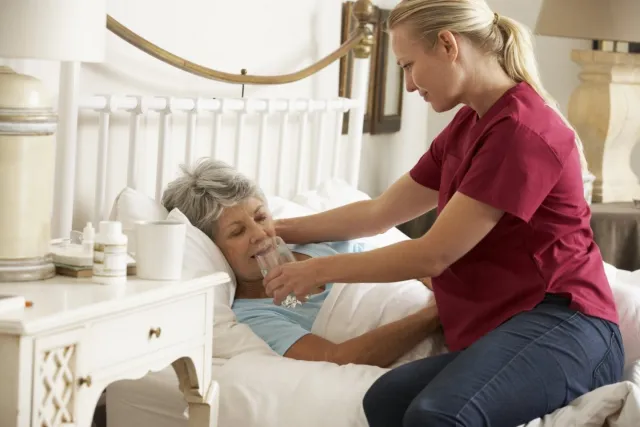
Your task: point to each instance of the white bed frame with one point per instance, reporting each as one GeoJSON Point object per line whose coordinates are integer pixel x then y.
{"type": "Point", "coordinates": [318, 120]}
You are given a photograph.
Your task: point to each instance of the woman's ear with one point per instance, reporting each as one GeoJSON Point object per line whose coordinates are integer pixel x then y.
{"type": "Point", "coordinates": [447, 45]}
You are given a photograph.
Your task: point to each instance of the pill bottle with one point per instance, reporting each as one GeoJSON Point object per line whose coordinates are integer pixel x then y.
{"type": "Point", "coordinates": [110, 254]}
{"type": "Point", "coordinates": [88, 239]}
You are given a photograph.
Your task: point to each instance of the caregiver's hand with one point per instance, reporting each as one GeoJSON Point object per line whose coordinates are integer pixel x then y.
{"type": "Point", "coordinates": [298, 278]}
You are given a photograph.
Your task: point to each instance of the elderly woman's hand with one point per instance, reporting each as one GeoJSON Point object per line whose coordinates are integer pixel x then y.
{"type": "Point", "coordinates": [298, 278]}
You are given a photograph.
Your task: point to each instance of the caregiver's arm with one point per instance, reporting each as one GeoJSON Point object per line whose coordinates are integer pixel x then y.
{"type": "Point", "coordinates": [462, 224]}
{"type": "Point", "coordinates": [402, 202]}
{"type": "Point", "coordinates": [379, 347]}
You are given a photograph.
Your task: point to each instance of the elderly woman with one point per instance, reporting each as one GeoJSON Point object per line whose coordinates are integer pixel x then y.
{"type": "Point", "coordinates": [232, 210]}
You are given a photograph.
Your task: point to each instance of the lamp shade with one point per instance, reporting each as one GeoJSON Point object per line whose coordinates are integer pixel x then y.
{"type": "Point", "coordinates": [611, 20]}
{"type": "Point", "coordinates": [61, 30]}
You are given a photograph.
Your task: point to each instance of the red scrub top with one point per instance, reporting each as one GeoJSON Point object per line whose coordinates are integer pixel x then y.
{"type": "Point", "coordinates": [522, 159]}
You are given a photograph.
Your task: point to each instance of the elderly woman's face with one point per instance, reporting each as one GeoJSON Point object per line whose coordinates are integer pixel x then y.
{"type": "Point", "coordinates": [241, 231]}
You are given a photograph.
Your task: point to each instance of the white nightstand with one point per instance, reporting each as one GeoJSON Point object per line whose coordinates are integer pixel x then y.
{"type": "Point", "coordinates": [58, 356]}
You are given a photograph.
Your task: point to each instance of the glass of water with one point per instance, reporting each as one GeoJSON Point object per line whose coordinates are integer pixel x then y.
{"type": "Point", "coordinates": [278, 254]}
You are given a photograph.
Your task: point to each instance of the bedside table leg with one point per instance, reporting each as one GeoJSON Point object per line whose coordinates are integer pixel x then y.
{"type": "Point", "coordinates": [205, 414]}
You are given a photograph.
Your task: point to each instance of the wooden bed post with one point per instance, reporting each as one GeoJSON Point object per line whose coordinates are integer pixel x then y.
{"type": "Point", "coordinates": [363, 11]}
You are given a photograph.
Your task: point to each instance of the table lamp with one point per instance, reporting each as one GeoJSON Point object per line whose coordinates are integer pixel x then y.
{"type": "Point", "coordinates": [59, 30]}
{"type": "Point", "coordinates": [605, 107]}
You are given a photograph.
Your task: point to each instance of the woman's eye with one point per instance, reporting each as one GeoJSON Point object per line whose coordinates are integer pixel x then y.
{"type": "Point", "coordinates": [238, 232]}
{"type": "Point", "coordinates": [407, 66]}
{"type": "Point", "coordinates": [261, 218]}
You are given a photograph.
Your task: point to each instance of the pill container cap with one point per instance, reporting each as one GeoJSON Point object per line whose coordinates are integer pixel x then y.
{"type": "Point", "coordinates": [111, 233]}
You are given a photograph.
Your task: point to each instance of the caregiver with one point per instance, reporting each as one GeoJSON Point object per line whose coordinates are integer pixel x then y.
{"type": "Point", "coordinates": [526, 308]}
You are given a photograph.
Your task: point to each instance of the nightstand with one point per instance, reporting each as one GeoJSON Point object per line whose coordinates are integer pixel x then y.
{"type": "Point", "coordinates": [58, 356]}
{"type": "Point", "coordinates": [616, 231]}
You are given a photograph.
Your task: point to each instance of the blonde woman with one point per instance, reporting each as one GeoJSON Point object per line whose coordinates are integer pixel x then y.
{"type": "Point", "coordinates": [522, 295]}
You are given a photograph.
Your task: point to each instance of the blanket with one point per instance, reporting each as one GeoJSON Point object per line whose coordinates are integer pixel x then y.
{"type": "Point", "coordinates": [615, 405]}
{"type": "Point", "coordinates": [262, 389]}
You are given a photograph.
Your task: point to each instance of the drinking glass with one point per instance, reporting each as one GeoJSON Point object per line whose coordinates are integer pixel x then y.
{"type": "Point", "coordinates": [278, 254]}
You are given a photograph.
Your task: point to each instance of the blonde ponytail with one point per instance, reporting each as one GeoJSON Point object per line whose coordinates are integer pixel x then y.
{"type": "Point", "coordinates": [509, 40]}
{"type": "Point", "coordinates": [519, 62]}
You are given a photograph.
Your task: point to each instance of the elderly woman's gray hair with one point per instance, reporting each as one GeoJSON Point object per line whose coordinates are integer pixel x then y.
{"type": "Point", "coordinates": [205, 189]}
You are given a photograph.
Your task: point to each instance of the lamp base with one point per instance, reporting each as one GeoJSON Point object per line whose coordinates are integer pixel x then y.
{"type": "Point", "coordinates": [27, 270]}
{"type": "Point", "coordinates": [605, 111]}
{"type": "Point", "coordinates": [27, 151]}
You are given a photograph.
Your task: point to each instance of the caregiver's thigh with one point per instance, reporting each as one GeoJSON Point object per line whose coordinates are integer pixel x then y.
{"type": "Point", "coordinates": [533, 364]}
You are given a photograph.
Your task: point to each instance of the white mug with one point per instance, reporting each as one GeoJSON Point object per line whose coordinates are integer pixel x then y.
{"type": "Point", "coordinates": [160, 249]}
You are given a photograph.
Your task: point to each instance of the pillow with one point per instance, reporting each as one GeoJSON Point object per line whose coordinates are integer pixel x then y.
{"type": "Point", "coordinates": [131, 206]}
{"type": "Point", "coordinates": [334, 193]}
{"type": "Point", "coordinates": [330, 194]}
{"type": "Point", "coordinates": [283, 208]}
{"type": "Point", "coordinates": [203, 257]}
{"type": "Point", "coordinates": [627, 296]}
{"type": "Point", "coordinates": [632, 373]}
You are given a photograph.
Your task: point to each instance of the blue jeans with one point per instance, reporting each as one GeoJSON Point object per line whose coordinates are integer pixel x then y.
{"type": "Point", "coordinates": [531, 365]}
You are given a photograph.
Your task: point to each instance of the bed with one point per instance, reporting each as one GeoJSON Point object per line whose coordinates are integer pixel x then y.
{"type": "Point", "coordinates": [312, 167]}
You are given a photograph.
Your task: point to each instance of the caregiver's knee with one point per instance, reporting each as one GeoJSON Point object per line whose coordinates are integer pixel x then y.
{"type": "Point", "coordinates": [376, 406]}
{"type": "Point", "coordinates": [384, 403]}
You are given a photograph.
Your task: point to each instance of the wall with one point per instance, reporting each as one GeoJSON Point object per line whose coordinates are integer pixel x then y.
{"type": "Point", "coordinates": [272, 37]}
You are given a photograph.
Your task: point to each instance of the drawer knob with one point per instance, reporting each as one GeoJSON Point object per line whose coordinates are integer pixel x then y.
{"type": "Point", "coordinates": [155, 332]}
{"type": "Point", "coordinates": [85, 381]}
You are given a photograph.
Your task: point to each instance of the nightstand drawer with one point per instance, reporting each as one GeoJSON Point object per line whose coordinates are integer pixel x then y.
{"type": "Point", "coordinates": [144, 331]}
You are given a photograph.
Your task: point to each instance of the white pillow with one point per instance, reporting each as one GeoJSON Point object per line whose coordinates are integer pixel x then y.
{"type": "Point", "coordinates": [203, 257]}
{"type": "Point", "coordinates": [627, 297]}
{"type": "Point", "coordinates": [632, 373]}
{"type": "Point", "coordinates": [626, 292]}
{"type": "Point", "coordinates": [330, 194]}
{"type": "Point", "coordinates": [131, 206]}
{"type": "Point", "coordinates": [334, 193]}
{"type": "Point", "coordinates": [283, 208]}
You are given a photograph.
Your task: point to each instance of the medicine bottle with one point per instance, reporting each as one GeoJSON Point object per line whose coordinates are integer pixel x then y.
{"type": "Point", "coordinates": [88, 239]}
{"type": "Point", "coordinates": [110, 254]}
